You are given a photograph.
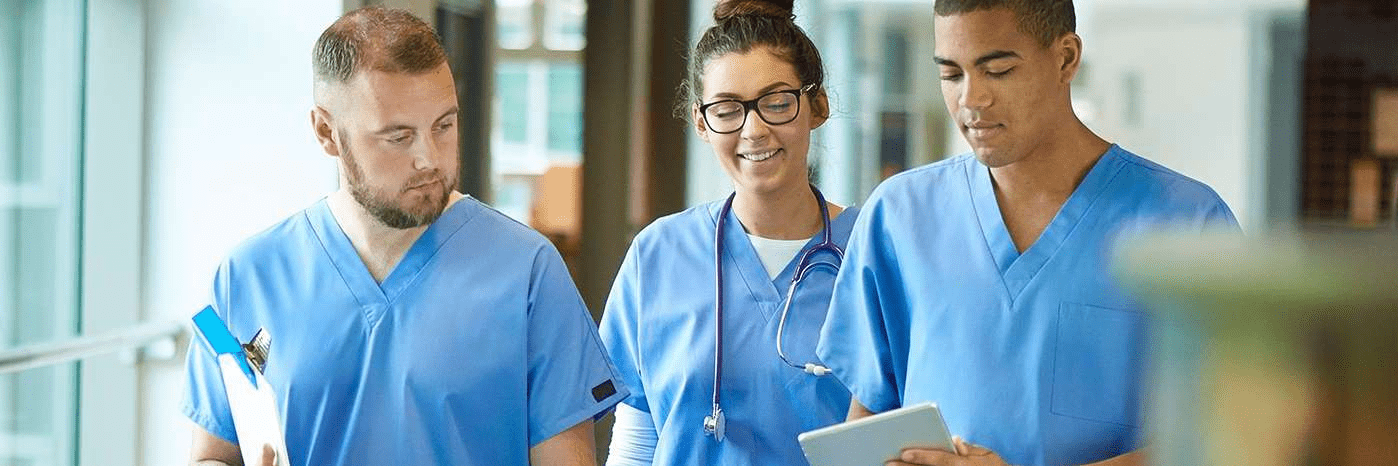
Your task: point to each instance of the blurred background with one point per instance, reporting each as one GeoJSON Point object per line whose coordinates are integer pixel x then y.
{"type": "Point", "coordinates": [141, 140]}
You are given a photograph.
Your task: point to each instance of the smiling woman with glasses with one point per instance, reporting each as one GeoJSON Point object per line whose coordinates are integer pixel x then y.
{"type": "Point", "coordinates": [714, 316]}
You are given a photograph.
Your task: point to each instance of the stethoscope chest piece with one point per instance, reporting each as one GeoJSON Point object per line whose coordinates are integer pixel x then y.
{"type": "Point", "coordinates": [714, 424]}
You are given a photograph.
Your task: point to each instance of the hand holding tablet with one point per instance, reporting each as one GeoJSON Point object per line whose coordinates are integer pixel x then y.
{"type": "Point", "coordinates": [878, 438]}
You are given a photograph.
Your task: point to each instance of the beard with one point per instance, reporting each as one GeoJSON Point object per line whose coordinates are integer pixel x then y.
{"type": "Point", "coordinates": [426, 203]}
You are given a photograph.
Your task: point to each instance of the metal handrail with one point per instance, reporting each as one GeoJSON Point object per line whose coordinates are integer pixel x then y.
{"type": "Point", "coordinates": [47, 354]}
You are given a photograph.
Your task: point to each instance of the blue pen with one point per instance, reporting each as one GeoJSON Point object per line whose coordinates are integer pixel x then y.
{"type": "Point", "coordinates": [221, 341]}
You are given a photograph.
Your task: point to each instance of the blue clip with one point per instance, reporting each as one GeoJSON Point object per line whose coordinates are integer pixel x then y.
{"type": "Point", "coordinates": [221, 341]}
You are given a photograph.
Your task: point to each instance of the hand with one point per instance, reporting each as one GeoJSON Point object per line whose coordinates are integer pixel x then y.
{"type": "Point", "coordinates": [966, 454]}
{"type": "Point", "coordinates": [269, 456]}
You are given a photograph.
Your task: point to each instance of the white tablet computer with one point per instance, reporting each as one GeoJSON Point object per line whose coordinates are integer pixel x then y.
{"type": "Point", "coordinates": [872, 440]}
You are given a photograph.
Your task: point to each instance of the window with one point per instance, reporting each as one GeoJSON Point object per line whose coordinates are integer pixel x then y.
{"type": "Point", "coordinates": [41, 67]}
{"type": "Point", "coordinates": [514, 21]}
{"type": "Point", "coordinates": [565, 112]}
{"type": "Point", "coordinates": [563, 24]}
{"type": "Point", "coordinates": [536, 142]}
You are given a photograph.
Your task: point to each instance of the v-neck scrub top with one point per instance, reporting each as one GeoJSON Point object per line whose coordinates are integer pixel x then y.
{"type": "Point", "coordinates": [474, 348]}
{"type": "Point", "coordinates": [1037, 356]}
{"type": "Point", "coordinates": [659, 329]}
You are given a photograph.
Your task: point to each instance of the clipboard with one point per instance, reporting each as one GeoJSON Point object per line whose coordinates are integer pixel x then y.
{"type": "Point", "coordinates": [878, 438]}
{"type": "Point", "coordinates": [250, 397]}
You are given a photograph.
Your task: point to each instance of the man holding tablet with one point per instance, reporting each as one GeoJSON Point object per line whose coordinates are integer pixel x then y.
{"type": "Point", "coordinates": [980, 282]}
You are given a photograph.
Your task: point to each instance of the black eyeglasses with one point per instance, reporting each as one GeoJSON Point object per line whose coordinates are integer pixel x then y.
{"type": "Point", "coordinates": [775, 108]}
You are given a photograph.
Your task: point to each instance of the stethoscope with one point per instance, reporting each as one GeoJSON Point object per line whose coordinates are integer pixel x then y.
{"type": "Point", "coordinates": [714, 423]}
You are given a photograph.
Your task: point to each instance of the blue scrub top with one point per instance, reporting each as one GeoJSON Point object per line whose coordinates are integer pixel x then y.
{"type": "Point", "coordinates": [659, 329]}
{"type": "Point", "coordinates": [475, 348]}
{"type": "Point", "coordinates": [1037, 356]}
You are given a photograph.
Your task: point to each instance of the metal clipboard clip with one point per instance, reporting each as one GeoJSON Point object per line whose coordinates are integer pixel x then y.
{"type": "Point", "coordinates": [257, 350]}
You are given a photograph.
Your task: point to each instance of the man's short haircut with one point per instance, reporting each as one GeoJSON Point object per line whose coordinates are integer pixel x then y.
{"type": "Point", "coordinates": [1044, 20]}
{"type": "Point", "coordinates": [376, 39]}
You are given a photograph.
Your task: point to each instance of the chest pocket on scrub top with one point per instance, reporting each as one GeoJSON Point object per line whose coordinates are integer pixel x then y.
{"type": "Point", "coordinates": [1097, 364]}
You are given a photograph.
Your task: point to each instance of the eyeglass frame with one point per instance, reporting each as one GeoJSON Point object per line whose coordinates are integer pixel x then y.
{"type": "Point", "coordinates": [750, 106]}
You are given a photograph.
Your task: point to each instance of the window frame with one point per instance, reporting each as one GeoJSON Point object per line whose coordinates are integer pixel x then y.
{"type": "Point", "coordinates": [113, 215]}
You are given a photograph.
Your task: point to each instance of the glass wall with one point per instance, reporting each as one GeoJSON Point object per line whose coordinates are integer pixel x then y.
{"type": "Point", "coordinates": [41, 56]}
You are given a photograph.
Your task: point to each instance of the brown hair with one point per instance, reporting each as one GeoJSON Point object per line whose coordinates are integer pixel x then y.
{"type": "Point", "coordinates": [378, 39]}
{"type": "Point", "coordinates": [742, 25]}
{"type": "Point", "coordinates": [1044, 20]}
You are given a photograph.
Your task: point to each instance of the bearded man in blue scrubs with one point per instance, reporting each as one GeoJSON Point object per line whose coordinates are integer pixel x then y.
{"type": "Point", "coordinates": [980, 282]}
{"type": "Point", "coordinates": [409, 324]}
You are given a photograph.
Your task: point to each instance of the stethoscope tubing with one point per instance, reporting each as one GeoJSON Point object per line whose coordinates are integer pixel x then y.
{"type": "Point", "coordinates": [803, 268]}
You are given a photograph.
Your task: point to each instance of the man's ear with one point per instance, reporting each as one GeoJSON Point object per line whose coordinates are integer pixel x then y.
{"type": "Point", "coordinates": [1069, 50]}
{"type": "Point", "coordinates": [700, 127]}
{"type": "Point", "coordinates": [324, 131]}
{"type": "Point", "coordinates": [820, 108]}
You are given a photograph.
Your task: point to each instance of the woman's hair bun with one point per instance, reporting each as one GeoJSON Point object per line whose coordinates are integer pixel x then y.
{"type": "Point", "coordinates": [772, 8]}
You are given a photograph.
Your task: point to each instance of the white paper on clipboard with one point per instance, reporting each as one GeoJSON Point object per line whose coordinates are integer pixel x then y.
{"type": "Point", "coordinates": [255, 416]}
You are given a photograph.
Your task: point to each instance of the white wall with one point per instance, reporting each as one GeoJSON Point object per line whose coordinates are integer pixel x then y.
{"type": "Point", "coordinates": [1087, 9]}
{"type": "Point", "coordinates": [1199, 74]}
{"type": "Point", "coordinates": [230, 151]}
{"type": "Point", "coordinates": [1190, 69]}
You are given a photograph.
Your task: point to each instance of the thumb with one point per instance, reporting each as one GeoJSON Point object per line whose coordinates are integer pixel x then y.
{"type": "Point", "coordinates": [269, 456]}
